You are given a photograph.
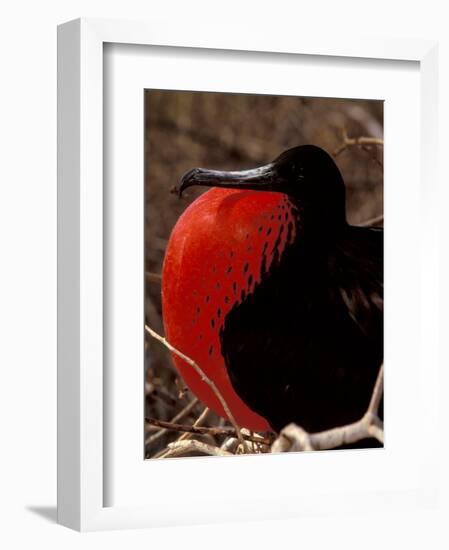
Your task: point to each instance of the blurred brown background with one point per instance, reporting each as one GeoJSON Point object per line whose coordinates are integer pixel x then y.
{"type": "Point", "coordinates": [184, 130]}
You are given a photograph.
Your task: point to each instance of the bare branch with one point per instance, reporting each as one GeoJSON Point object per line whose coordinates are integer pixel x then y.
{"type": "Point", "coordinates": [205, 430]}
{"type": "Point", "coordinates": [373, 155]}
{"type": "Point", "coordinates": [197, 422]}
{"type": "Point", "coordinates": [153, 277]}
{"type": "Point", "coordinates": [361, 141]}
{"type": "Point", "coordinates": [230, 444]}
{"type": "Point", "coordinates": [373, 407]}
{"type": "Point", "coordinates": [160, 393]}
{"type": "Point", "coordinates": [292, 438]}
{"type": "Point", "coordinates": [372, 221]}
{"type": "Point", "coordinates": [204, 377]}
{"type": "Point", "coordinates": [184, 448]}
{"type": "Point", "coordinates": [184, 412]}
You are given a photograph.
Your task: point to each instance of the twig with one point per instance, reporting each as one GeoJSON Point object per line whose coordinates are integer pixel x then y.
{"type": "Point", "coordinates": [197, 422]}
{"type": "Point", "coordinates": [357, 141]}
{"type": "Point", "coordinates": [183, 448]}
{"type": "Point", "coordinates": [153, 277]}
{"type": "Point", "coordinates": [292, 438]}
{"type": "Point", "coordinates": [373, 407]}
{"type": "Point", "coordinates": [186, 435]}
{"type": "Point", "coordinates": [373, 156]}
{"type": "Point", "coordinates": [295, 438]}
{"type": "Point", "coordinates": [205, 430]}
{"type": "Point", "coordinates": [230, 444]}
{"type": "Point", "coordinates": [372, 221]}
{"type": "Point", "coordinates": [183, 390]}
{"type": "Point", "coordinates": [204, 377]}
{"type": "Point", "coordinates": [185, 411]}
{"type": "Point", "coordinates": [160, 393]}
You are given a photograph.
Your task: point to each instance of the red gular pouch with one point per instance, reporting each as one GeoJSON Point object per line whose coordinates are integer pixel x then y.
{"type": "Point", "coordinates": [216, 257]}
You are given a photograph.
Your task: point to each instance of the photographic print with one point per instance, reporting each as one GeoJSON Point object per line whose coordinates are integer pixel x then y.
{"type": "Point", "coordinates": [263, 274]}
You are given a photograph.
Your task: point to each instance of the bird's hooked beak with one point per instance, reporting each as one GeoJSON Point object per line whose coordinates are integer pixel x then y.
{"type": "Point", "coordinates": [262, 178]}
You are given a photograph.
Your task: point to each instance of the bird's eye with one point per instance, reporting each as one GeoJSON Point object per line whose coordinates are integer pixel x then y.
{"type": "Point", "coordinates": [291, 171]}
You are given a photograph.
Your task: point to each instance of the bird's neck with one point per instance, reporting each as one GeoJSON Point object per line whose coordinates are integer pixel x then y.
{"type": "Point", "coordinates": [320, 227]}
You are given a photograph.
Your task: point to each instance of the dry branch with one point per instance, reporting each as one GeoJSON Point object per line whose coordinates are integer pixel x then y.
{"type": "Point", "coordinates": [197, 422]}
{"type": "Point", "coordinates": [184, 448]}
{"type": "Point", "coordinates": [372, 221]}
{"type": "Point", "coordinates": [153, 277]}
{"type": "Point", "coordinates": [160, 393]}
{"type": "Point", "coordinates": [184, 412]}
{"type": "Point", "coordinates": [229, 431]}
{"type": "Point", "coordinates": [230, 444]}
{"type": "Point", "coordinates": [373, 407]}
{"type": "Point", "coordinates": [292, 438]}
{"type": "Point", "coordinates": [361, 141]}
{"type": "Point", "coordinates": [204, 377]}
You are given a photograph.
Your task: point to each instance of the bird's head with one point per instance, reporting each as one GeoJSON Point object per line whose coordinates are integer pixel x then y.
{"type": "Point", "coordinates": [307, 174]}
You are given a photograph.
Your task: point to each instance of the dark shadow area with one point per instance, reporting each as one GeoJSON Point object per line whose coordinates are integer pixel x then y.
{"type": "Point", "coordinates": [47, 512]}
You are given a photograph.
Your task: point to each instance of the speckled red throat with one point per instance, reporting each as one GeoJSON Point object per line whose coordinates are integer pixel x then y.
{"type": "Point", "coordinates": [216, 255]}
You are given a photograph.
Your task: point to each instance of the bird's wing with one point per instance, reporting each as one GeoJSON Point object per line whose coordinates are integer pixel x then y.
{"type": "Point", "coordinates": [358, 275]}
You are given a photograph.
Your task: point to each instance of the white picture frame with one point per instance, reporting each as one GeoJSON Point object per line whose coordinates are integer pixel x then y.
{"type": "Point", "coordinates": [82, 491]}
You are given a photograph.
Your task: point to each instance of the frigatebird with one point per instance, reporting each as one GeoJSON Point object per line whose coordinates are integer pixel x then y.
{"type": "Point", "coordinates": [270, 290]}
